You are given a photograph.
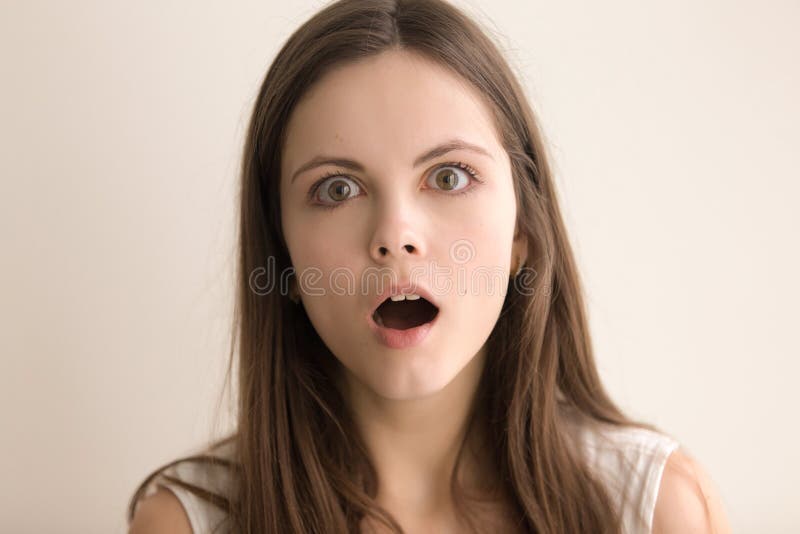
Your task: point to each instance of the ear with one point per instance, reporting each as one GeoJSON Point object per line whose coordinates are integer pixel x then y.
{"type": "Point", "coordinates": [519, 250]}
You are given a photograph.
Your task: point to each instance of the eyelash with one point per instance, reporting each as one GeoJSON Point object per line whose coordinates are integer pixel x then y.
{"type": "Point", "coordinates": [472, 173]}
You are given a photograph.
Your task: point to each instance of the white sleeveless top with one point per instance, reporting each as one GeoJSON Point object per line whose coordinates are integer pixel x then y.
{"type": "Point", "coordinates": [630, 461]}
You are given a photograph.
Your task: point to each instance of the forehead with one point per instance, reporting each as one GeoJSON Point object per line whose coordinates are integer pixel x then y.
{"type": "Point", "coordinates": [385, 110]}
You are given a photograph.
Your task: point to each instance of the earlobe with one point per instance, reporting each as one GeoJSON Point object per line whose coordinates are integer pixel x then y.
{"type": "Point", "coordinates": [519, 253]}
{"type": "Point", "coordinates": [517, 264]}
{"type": "Point", "coordinates": [293, 292]}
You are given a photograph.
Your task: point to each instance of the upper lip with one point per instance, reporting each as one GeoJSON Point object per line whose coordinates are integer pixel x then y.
{"type": "Point", "coordinates": [403, 288]}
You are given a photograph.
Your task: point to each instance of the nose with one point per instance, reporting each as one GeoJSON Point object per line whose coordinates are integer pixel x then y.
{"type": "Point", "coordinates": [397, 238]}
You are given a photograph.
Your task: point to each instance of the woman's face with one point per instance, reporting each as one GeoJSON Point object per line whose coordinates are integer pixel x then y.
{"type": "Point", "coordinates": [398, 219]}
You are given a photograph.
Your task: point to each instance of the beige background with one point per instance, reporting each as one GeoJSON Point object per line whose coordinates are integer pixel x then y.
{"type": "Point", "coordinates": [674, 128]}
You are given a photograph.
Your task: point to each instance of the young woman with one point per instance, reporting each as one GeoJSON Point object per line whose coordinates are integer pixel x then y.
{"type": "Point", "coordinates": [392, 138]}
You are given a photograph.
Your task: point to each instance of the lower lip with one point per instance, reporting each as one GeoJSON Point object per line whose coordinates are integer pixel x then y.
{"type": "Point", "coordinates": [402, 339]}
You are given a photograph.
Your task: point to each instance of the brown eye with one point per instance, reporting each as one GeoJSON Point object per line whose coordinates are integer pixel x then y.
{"type": "Point", "coordinates": [450, 178]}
{"type": "Point", "coordinates": [337, 189]}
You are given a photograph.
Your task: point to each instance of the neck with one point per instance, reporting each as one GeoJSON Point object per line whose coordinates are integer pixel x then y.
{"type": "Point", "coordinates": [414, 443]}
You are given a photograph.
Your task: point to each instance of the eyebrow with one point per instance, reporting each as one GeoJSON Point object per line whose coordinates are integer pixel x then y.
{"type": "Point", "coordinates": [435, 152]}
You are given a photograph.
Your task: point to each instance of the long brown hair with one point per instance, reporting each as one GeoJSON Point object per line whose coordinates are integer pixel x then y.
{"type": "Point", "coordinates": [300, 464]}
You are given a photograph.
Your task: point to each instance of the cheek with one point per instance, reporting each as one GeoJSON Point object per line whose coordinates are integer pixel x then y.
{"type": "Point", "coordinates": [316, 245]}
{"type": "Point", "coordinates": [480, 237]}
{"type": "Point", "coordinates": [480, 276]}
{"type": "Point", "coordinates": [479, 254]}
{"type": "Point", "coordinates": [327, 272]}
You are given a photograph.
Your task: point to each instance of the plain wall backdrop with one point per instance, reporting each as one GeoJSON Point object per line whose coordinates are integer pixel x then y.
{"type": "Point", "coordinates": [674, 130]}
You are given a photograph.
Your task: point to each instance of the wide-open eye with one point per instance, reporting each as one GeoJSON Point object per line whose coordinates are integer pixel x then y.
{"type": "Point", "coordinates": [337, 189]}
{"type": "Point", "coordinates": [452, 177]}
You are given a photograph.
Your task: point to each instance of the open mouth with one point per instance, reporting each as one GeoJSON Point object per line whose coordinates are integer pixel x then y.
{"type": "Point", "coordinates": [404, 314]}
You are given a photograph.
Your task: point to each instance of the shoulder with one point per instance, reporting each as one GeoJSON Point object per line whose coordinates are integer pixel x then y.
{"type": "Point", "coordinates": [688, 500]}
{"type": "Point", "coordinates": [190, 494]}
{"type": "Point", "coordinates": [160, 513]}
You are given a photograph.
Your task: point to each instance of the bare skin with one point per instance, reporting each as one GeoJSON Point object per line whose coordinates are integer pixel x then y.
{"type": "Point", "coordinates": [434, 511]}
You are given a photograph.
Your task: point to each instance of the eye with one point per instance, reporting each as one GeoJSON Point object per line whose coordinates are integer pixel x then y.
{"type": "Point", "coordinates": [334, 189]}
{"type": "Point", "coordinates": [447, 178]}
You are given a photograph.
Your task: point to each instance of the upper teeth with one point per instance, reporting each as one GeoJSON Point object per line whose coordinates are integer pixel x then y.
{"type": "Point", "coordinates": [412, 296]}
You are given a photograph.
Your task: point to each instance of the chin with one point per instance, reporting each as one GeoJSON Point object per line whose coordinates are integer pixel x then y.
{"type": "Point", "coordinates": [408, 392]}
{"type": "Point", "coordinates": [412, 384]}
